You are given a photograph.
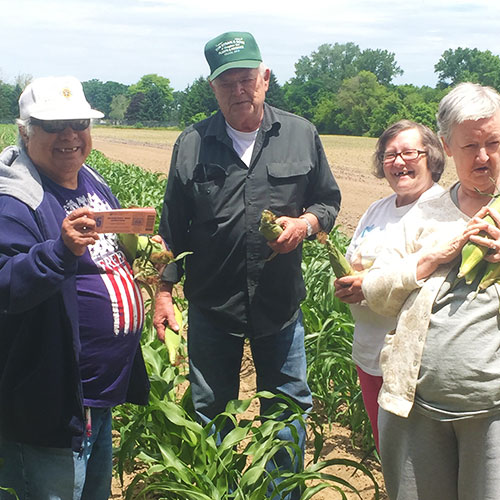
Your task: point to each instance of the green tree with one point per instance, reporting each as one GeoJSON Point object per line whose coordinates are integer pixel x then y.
{"type": "Point", "coordinates": [275, 95]}
{"type": "Point", "coordinates": [118, 107]}
{"type": "Point", "coordinates": [302, 97]}
{"type": "Point", "coordinates": [389, 110]}
{"type": "Point", "coordinates": [197, 101]}
{"type": "Point", "coordinates": [158, 95]}
{"type": "Point", "coordinates": [325, 114]}
{"type": "Point", "coordinates": [357, 98]}
{"type": "Point", "coordinates": [332, 64]}
{"type": "Point", "coordinates": [100, 95]}
{"type": "Point", "coordinates": [379, 62]}
{"type": "Point", "coordinates": [464, 64]}
{"type": "Point", "coordinates": [8, 102]}
{"type": "Point", "coordinates": [329, 65]}
{"type": "Point", "coordinates": [322, 74]}
{"type": "Point", "coordinates": [134, 111]}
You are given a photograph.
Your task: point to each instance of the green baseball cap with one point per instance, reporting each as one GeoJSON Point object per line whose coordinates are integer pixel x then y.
{"type": "Point", "coordinates": [234, 49]}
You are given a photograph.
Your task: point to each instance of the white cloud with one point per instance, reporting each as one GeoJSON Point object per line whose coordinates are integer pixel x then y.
{"type": "Point", "coordinates": [122, 40]}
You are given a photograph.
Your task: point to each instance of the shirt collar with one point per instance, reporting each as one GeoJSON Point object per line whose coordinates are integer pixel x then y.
{"type": "Point", "coordinates": [217, 126]}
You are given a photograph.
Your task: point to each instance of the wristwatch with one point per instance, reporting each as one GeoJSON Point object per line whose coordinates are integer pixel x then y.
{"type": "Point", "coordinates": [309, 230]}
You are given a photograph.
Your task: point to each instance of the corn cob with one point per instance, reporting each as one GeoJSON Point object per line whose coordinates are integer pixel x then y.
{"type": "Point", "coordinates": [474, 272]}
{"type": "Point", "coordinates": [472, 253]}
{"type": "Point", "coordinates": [338, 262]}
{"type": "Point", "coordinates": [268, 227]}
{"type": "Point", "coordinates": [128, 243]}
{"type": "Point", "coordinates": [491, 275]}
{"type": "Point", "coordinates": [173, 339]}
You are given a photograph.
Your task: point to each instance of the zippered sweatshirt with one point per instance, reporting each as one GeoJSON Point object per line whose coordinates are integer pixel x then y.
{"type": "Point", "coordinates": [40, 387]}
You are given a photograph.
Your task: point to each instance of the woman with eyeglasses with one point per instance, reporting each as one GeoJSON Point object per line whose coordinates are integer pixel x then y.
{"type": "Point", "coordinates": [410, 156]}
{"type": "Point", "coordinates": [439, 419]}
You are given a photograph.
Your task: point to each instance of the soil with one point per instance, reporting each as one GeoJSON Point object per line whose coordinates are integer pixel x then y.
{"type": "Point", "coordinates": [358, 186]}
{"type": "Point", "coordinates": [359, 189]}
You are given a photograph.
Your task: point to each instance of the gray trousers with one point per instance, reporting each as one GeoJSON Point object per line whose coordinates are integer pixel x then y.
{"type": "Point", "coordinates": [426, 459]}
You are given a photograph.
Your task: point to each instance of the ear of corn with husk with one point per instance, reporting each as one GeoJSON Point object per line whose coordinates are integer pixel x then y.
{"type": "Point", "coordinates": [148, 258]}
{"type": "Point", "coordinates": [472, 253]}
{"type": "Point", "coordinates": [339, 263]}
{"type": "Point", "coordinates": [473, 265]}
{"type": "Point", "coordinates": [173, 339]}
{"type": "Point", "coordinates": [268, 227]}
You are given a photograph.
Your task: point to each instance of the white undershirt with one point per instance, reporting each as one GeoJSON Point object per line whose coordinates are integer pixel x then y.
{"type": "Point", "coordinates": [243, 143]}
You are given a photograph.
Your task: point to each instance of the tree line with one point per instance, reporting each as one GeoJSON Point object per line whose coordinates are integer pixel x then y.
{"type": "Point", "coordinates": [339, 87]}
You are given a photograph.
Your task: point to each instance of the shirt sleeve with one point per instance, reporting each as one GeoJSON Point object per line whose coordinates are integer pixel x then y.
{"type": "Point", "coordinates": [31, 270]}
{"type": "Point", "coordinates": [174, 229]}
{"type": "Point", "coordinates": [323, 198]}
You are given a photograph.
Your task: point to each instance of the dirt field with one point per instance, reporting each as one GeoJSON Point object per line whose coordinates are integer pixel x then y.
{"type": "Point", "coordinates": [350, 160]}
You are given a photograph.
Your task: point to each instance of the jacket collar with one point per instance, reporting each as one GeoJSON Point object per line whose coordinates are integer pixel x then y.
{"type": "Point", "coordinates": [217, 126]}
{"type": "Point", "coordinates": [19, 178]}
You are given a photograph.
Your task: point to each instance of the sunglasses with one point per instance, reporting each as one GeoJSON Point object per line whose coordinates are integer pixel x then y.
{"type": "Point", "coordinates": [56, 126]}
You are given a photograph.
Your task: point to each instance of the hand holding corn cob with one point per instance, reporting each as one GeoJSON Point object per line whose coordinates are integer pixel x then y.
{"type": "Point", "coordinates": [284, 234]}
{"type": "Point", "coordinates": [475, 261]}
{"type": "Point", "coordinates": [338, 262]}
{"type": "Point", "coordinates": [268, 227]}
{"type": "Point", "coordinates": [149, 256]}
{"type": "Point", "coordinates": [472, 253]}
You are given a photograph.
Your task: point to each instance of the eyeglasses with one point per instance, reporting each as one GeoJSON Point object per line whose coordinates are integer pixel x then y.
{"type": "Point", "coordinates": [56, 126]}
{"type": "Point", "coordinates": [246, 83]}
{"type": "Point", "coordinates": [408, 155]}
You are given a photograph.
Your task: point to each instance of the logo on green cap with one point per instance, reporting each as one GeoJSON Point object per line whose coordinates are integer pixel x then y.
{"type": "Point", "coordinates": [234, 49]}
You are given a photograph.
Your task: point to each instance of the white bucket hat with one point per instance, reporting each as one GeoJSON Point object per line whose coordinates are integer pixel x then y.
{"type": "Point", "coordinates": [55, 98]}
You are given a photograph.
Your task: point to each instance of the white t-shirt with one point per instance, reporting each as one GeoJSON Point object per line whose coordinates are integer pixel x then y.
{"type": "Point", "coordinates": [243, 143]}
{"type": "Point", "coordinates": [376, 230]}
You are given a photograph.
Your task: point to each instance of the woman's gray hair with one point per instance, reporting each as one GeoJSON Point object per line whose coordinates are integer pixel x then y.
{"type": "Point", "coordinates": [466, 101]}
{"type": "Point", "coordinates": [436, 158]}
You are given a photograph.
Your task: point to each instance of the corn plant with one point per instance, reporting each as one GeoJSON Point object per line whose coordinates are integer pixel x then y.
{"type": "Point", "coordinates": [173, 456]}
{"type": "Point", "coordinates": [329, 327]}
{"type": "Point", "coordinates": [131, 184]}
{"type": "Point", "coordinates": [8, 135]}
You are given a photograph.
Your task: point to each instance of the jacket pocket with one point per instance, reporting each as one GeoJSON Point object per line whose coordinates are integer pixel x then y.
{"type": "Point", "coordinates": [287, 187]}
{"type": "Point", "coordinates": [208, 192]}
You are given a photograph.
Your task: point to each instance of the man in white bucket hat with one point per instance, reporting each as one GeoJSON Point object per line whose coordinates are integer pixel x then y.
{"type": "Point", "coordinates": [70, 313]}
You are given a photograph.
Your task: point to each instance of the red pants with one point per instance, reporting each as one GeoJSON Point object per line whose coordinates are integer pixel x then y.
{"type": "Point", "coordinates": [370, 387]}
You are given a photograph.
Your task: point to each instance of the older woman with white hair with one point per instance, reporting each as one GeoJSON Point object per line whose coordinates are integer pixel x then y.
{"type": "Point", "coordinates": [439, 421]}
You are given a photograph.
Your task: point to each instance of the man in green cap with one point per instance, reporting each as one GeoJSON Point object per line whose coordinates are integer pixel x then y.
{"type": "Point", "coordinates": [225, 171]}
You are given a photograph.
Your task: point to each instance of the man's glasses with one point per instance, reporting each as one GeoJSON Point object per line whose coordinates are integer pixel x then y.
{"type": "Point", "coordinates": [246, 83]}
{"type": "Point", "coordinates": [408, 155]}
{"type": "Point", "coordinates": [56, 126]}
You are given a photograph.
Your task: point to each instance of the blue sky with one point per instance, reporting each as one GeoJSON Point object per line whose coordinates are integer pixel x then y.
{"type": "Point", "coordinates": [122, 40]}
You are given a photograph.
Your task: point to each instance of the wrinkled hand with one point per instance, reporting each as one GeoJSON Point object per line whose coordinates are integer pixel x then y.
{"type": "Point", "coordinates": [78, 230]}
{"type": "Point", "coordinates": [294, 232]}
{"type": "Point", "coordinates": [492, 243]}
{"type": "Point", "coordinates": [164, 314]}
{"type": "Point", "coordinates": [443, 254]}
{"type": "Point", "coordinates": [348, 288]}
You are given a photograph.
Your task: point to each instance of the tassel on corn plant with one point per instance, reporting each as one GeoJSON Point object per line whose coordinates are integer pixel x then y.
{"type": "Point", "coordinates": [338, 262]}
